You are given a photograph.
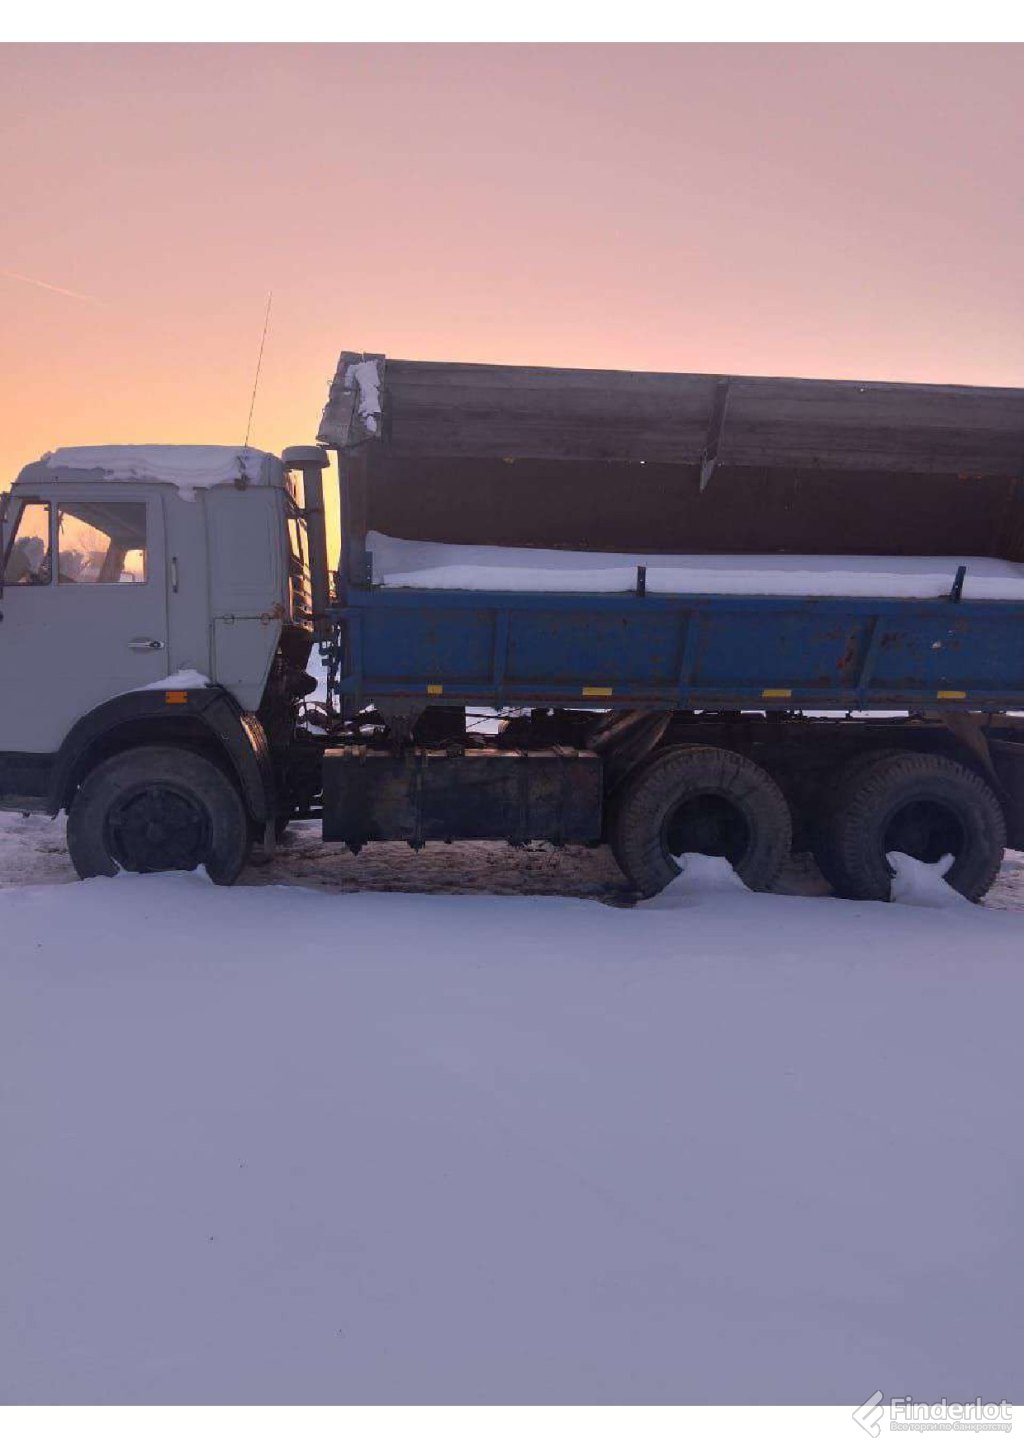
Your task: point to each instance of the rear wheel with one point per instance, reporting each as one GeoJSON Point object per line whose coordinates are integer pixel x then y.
{"type": "Point", "coordinates": [700, 801]}
{"type": "Point", "coordinates": [839, 785]}
{"type": "Point", "coordinates": [923, 805]}
{"type": "Point", "coordinates": [158, 808]}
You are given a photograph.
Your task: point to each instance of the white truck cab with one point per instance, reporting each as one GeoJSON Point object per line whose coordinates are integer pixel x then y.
{"type": "Point", "coordinates": [140, 585]}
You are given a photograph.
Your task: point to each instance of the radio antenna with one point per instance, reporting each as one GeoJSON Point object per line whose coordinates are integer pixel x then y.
{"type": "Point", "coordinates": [259, 364]}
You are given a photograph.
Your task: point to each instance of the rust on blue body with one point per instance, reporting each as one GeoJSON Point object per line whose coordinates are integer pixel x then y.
{"type": "Point", "coordinates": [692, 651]}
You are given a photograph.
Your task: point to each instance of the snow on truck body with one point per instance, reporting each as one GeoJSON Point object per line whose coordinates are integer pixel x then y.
{"type": "Point", "coordinates": [665, 570]}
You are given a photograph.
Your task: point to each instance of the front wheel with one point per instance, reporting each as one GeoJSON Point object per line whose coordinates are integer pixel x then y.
{"type": "Point", "coordinates": [158, 808]}
{"type": "Point", "coordinates": [700, 801]}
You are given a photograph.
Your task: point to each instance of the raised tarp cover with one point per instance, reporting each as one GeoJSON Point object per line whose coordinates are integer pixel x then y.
{"type": "Point", "coordinates": [687, 463]}
{"type": "Point", "coordinates": [461, 409]}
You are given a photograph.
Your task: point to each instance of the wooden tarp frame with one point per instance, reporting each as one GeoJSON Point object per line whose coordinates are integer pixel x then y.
{"type": "Point", "coordinates": [458, 409]}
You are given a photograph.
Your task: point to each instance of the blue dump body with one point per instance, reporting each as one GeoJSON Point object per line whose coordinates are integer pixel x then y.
{"type": "Point", "coordinates": [674, 463]}
{"type": "Point", "coordinates": [707, 651]}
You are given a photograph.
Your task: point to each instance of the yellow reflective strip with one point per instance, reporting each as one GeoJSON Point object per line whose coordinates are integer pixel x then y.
{"type": "Point", "coordinates": [175, 696]}
{"type": "Point", "coordinates": [596, 691]}
{"type": "Point", "coordinates": [951, 694]}
{"type": "Point", "coordinates": [776, 693]}
{"type": "Point", "coordinates": [435, 688]}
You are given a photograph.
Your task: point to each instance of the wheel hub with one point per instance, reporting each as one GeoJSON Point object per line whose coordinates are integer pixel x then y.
{"type": "Point", "coordinates": [925, 829]}
{"type": "Point", "coordinates": [159, 828]}
{"type": "Point", "coordinates": [707, 824]}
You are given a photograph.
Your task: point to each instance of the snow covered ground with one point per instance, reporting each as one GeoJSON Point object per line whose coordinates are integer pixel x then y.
{"type": "Point", "coordinates": [298, 1142]}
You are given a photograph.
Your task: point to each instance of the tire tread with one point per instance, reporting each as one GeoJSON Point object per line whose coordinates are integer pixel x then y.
{"type": "Point", "coordinates": [672, 774]}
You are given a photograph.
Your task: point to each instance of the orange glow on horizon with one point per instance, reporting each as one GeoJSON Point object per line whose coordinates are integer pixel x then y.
{"type": "Point", "coordinates": [813, 210]}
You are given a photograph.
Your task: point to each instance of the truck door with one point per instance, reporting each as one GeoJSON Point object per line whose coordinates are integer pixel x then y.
{"type": "Point", "coordinates": [84, 608]}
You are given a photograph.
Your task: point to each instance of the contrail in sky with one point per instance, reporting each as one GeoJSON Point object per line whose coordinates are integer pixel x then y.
{"type": "Point", "coordinates": [47, 286]}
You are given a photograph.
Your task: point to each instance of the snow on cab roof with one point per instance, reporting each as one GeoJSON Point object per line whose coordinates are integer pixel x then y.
{"type": "Point", "coordinates": [186, 467]}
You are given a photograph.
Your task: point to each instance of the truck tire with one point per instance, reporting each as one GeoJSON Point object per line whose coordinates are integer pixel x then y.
{"type": "Point", "coordinates": [839, 785]}
{"type": "Point", "coordinates": [158, 808]}
{"type": "Point", "coordinates": [703, 801]}
{"type": "Point", "coordinates": [924, 805]}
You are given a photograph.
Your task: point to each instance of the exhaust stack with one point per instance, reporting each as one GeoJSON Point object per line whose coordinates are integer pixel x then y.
{"type": "Point", "coordinates": [310, 462]}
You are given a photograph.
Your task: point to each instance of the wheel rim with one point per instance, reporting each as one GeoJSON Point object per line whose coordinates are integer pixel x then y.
{"type": "Point", "coordinates": [926, 829]}
{"type": "Point", "coordinates": [707, 824]}
{"type": "Point", "coordinates": [157, 828]}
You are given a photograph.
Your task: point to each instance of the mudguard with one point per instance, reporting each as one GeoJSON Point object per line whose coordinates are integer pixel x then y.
{"type": "Point", "coordinates": [171, 716]}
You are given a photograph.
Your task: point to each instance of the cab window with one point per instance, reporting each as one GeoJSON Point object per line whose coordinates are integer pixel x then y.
{"type": "Point", "coordinates": [28, 557]}
{"type": "Point", "coordinates": [101, 542]}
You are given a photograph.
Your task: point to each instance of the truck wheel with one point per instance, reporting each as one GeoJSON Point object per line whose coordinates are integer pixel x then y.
{"type": "Point", "coordinates": [158, 808]}
{"type": "Point", "coordinates": [923, 805]}
{"type": "Point", "coordinates": [702, 801]}
{"type": "Point", "coordinates": [839, 784]}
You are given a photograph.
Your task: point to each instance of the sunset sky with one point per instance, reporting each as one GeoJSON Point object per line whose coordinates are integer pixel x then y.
{"type": "Point", "coordinates": [848, 211]}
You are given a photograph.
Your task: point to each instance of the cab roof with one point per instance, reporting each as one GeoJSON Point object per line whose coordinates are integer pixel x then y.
{"type": "Point", "coordinates": [186, 468]}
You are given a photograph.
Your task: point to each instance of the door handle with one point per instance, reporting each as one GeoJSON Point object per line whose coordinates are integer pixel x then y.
{"type": "Point", "coordinates": [145, 645]}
